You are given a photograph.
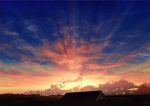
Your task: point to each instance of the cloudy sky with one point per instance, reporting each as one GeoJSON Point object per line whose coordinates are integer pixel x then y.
{"type": "Point", "coordinates": [44, 43]}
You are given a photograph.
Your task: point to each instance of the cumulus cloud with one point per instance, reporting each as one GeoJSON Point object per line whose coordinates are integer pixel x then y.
{"type": "Point", "coordinates": [107, 88]}
{"type": "Point", "coordinates": [121, 84]}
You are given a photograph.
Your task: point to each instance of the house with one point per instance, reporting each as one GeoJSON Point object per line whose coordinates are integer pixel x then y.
{"type": "Point", "coordinates": [84, 98]}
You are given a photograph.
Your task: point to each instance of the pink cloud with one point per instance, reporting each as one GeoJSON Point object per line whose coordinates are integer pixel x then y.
{"type": "Point", "coordinates": [11, 72]}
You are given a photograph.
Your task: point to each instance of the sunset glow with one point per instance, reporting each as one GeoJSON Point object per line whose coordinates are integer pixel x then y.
{"type": "Point", "coordinates": [72, 44]}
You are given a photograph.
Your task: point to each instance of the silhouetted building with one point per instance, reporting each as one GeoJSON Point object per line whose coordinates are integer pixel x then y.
{"type": "Point", "coordinates": [92, 96]}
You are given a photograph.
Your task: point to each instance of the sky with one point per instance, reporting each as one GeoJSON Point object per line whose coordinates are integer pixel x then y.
{"type": "Point", "coordinates": [73, 43]}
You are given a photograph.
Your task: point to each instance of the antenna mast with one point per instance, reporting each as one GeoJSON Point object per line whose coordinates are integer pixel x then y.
{"type": "Point", "coordinates": [81, 76]}
{"type": "Point", "coordinates": [81, 79]}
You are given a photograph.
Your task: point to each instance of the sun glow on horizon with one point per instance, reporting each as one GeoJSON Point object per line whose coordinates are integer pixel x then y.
{"type": "Point", "coordinates": [73, 46]}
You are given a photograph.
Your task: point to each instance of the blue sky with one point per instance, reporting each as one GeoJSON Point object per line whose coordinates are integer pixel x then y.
{"type": "Point", "coordinates": [55, 34]}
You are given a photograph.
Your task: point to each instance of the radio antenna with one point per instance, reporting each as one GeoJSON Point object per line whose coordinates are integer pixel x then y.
{"type": "Point", "coordinates": [81, 79]}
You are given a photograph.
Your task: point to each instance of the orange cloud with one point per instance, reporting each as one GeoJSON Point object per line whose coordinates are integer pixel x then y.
{"type": "Point", "coordinates": [68, 57]}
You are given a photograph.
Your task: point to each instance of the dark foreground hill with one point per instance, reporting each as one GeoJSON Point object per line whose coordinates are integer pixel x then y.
{"type": "Point", "coordinates": [28, 100]}
{"type": "Point", "coordinates": [93, 98]}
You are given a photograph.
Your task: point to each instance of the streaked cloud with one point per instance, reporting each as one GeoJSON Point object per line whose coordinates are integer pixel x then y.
{"type": "Point", "coordinates": [41, 45]}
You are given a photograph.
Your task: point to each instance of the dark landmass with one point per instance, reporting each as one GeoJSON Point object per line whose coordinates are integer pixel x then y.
{"type": "Point", "coordinates": [28, 100]}
{"type": "Point", "coordinates": [91, 98]}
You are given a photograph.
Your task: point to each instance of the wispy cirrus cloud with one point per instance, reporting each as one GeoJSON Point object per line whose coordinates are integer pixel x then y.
{"type": "Point", "coordinates": [43, 47]}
